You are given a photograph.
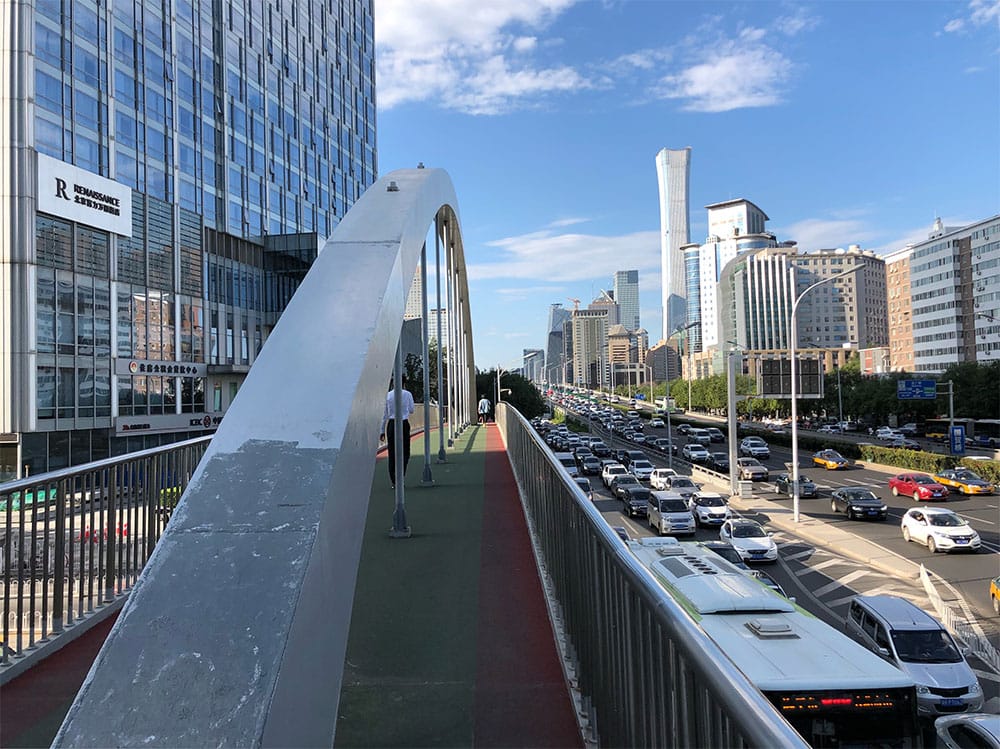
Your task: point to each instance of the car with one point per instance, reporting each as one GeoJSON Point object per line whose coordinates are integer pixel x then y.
{"type": "Point", "coordinates": [726, 551]}
{"type": "Point", "coordinates": [939, 529]}
{"type": "Point", "coordinates": [920, 486]}
{"type": "Point", "coordinates": [634, 499]}
{"type": "Point", "coordinates": [903, 444]}
{"type": "Point", "coordinates": [568, 462]}
{"type": "Point", "coordinates": [980, 730]}
{"type": "Point", "coordinates": [641, 469]}
{"type": "Point", "coordinates": [964, 480]}
{"type": "Point", "coordinates": [656, 423]}
{"type": "Point", "coordinates": [751, 469]}
{"type": "Point", "coordinates": [664, 444]}
{"type": "Point", "coordinates": [682, 485]}
{"type": "Point", "coordinates": [857, 502]}
{"type": "Point", "coordinates": [995, 593]}
{"type": "Point", "coordinates": [709, 508]}
{"type": "Point", "coordinates": [633, 455]}
{"type": "Point", "coordinates": [910, 429]}
{"type": "Point", "coordinates": [683, 428]}
{"type": "Point", "coordinates": [770, 582]}
{"type": "Point", "coordinates": [829, 429]}
{"type": "Point", "coordinates": [749, 538]}
{"type": "Point", "coordinates": [695, 452]}
{"type": "Point", "coordinates": [600, 449]}
{"type": "Point", "coordinates": [783, 484]}
{"type": "Point", "coordinates": [718, 462]}
{"type": "Point", "coordinates": [590, 466]}
{"type": "Point", "coordinates": [915, 642]}
{"type": "Point", "coordinates": [621, 532]}
{"type": "Point", "coordinates": [610, 471]}
{"type": "Point", "coordinates": [584, 484]}
{"type": "Point", "coordinates": [701, 436]}
{"type": "Point", "coordinates": [831, 460]}
{"type": "Point", "coordinates": [668, 513]}
{"type": "Point", "coordinates": [755, 447]}
{"type": "Point", "coordinates": [638, 438]}
{"type": "Point", "coordinates": [660, 478]}
{"type": "Point", "coordinates": [715, 434]}
{"type": "Point", "coordinates": [887, 434]}
{"type": "Point", "coordinates": [618, 484]}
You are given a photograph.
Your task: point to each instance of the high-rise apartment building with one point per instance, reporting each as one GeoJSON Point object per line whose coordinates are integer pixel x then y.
{"type": "Point", "coordinates": [555, 345]}
{"type": "Point", "coordinates": [590, 347]}
{"type": "Point", "coordinates": [171, 172]}
{"type": "Point", "coordinates": [900, 309]}
{"type": "Point", "coordinates": [673, 170]}
{"type": "Point", "coordinates": [626, 294]}
{"type": "Point", "coordinates": [955, 292]}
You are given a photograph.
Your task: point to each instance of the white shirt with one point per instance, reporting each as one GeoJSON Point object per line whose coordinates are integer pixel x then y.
{"type": "Point", "coordinates": [390, 406]}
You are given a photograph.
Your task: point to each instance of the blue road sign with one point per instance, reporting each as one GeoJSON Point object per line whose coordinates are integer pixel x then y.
{"type": "Point", "coordinates": [916, 390]}
{"type": "Point", "coordinates": [957, 439]}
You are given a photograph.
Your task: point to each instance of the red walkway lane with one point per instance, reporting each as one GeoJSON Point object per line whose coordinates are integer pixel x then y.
{"type": "Point", "coordinates": [521, 695]}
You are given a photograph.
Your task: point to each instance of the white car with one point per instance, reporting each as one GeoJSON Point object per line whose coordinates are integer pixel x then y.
{"type": "Point", "coordinates": [668, 513]}
{"type": "Point", "coordinates": [939, 530]}
{"type": "Point", "coordinates": [695, 452]}
{"type": "Point", "coordinates": [709, 508]}
{"type": "Point", "coordinates": [755, 447]}
{"type": "Point", "coordinates": [610, 471]}
{"type": "Point", "coordinates": [659, 479]}
{"type": "Point", "coordinates": [641, 469]}
{"type": "Point", "coordinates": [888, 433]}
{"type": "Point", "coordinates": [656, 423]}
{"type": "Point", "coordinates": [750, 540]}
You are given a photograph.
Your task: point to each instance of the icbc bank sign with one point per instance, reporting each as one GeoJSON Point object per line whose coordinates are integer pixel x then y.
{"type": "Point", "coordinates": [87, 198]}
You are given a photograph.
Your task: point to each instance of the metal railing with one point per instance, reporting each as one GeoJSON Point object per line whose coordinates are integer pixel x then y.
{"type": "Point", "coordinates": [647, 673]}
{"type": "Point", "coordinates": [962, 625]}
{"type": "Point", "coordinates": [75, 540]}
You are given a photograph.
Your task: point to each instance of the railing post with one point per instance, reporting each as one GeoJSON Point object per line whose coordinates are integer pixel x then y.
{"type": "Point", "coordinates": [59, 582]}
{"type": "Point", "coordinates": [109, 551]}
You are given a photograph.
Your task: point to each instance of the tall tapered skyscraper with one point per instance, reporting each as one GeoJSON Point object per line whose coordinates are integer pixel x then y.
{"type": "Point", "coordinates": [673, 167]}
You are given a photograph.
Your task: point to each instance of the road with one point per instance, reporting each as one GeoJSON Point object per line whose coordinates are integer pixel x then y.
{"type": "Point", "coordinates": [822, 580]}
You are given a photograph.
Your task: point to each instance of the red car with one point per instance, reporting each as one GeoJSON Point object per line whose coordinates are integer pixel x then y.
{"type": "Point", "coordinates": [917, 485]}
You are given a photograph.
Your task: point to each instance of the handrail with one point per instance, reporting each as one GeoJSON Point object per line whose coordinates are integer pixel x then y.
{"type": "Point", "coordinates": [651, 676]}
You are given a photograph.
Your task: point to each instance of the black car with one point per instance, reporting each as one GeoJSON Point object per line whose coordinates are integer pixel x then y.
{"type": "Point", "coordinates": [635, 498]}
{"type": "Point", "coordinates": [727, 552]}
{"type": "Point", "coordinates": [718, 462]}
{"type": "Point", "coordinates": [858, 503]}
{"type": "Point", "coordinates": [618, 484]}
{"type": "Point", "coordinates": [783, 485]}
{"type": "Point", "coordinates": [590, 466]}
{"type": "Point", "coordinates": [683, 428]}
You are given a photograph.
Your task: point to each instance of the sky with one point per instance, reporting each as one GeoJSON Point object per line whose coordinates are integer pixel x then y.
{"type": "Point", "coordinates": [845, 122]}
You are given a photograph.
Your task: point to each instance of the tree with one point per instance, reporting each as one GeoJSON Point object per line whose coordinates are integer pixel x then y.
{"type": "Point", "coordinates": [413, 371]}
{"type": "Point", "coordinates": [523, 395]}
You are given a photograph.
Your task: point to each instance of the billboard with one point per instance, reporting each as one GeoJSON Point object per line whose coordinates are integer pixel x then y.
{"type": "Point", "coordinates": [70, 192]}
{"type": "Point", "coordinates": [774, 378]}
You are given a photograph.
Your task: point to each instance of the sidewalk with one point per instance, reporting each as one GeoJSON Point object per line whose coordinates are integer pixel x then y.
{"type": "Point", "coordinates": [450, 642]}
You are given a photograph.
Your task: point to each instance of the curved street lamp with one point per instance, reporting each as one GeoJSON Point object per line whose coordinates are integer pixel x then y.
{"type": "Point", "coordinates": [793, 334]}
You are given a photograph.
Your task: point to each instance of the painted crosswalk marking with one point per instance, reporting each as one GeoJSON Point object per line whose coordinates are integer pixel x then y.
{"type": "Point", "coordinates": [842, 582]}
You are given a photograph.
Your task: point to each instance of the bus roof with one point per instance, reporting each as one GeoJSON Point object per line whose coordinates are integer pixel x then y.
{"type": "Point", "coordinates": [776, 644]}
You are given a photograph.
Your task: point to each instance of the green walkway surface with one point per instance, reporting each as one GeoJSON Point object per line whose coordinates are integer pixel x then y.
{"type": "Point", "coordinates": [450, 640]}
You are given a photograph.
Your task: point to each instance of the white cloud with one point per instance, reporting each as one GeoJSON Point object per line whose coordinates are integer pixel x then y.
{"type": "Point", "coordinates": [736, 75]}
{"type": "Point", "coordinates": [796, 23]}
{"type": "Point", "coordinates": [466, 54]}
{"type": "Point", "coordinates": [571, 221]}
{"type": "Point", "coordinates": [827, 233]}
{"type": "Point", "coordinates": [980, 13]}
{"type": "Point", "coordinates": [572, 257]}
{"type": "Point", "coordinates": [956, 24]}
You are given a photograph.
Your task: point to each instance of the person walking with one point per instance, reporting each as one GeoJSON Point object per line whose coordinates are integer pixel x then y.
{"type": "Point", "coordinates": [389, 427]}
{"type": "Point", "coordinates": [484, 409]}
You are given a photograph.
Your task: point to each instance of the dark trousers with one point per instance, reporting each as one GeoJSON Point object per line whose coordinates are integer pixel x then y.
{"type": "Point", "coordinates": [390, 438]}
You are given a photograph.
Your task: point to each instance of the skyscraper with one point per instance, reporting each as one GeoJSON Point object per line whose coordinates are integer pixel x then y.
{"type": "Point", "coordinates": [555, 345]}
{"type": "Point", "coordinates": [172, 171]}
{"type": "Point", "coordinates": [673, 168]}
{"type": "Point", "coordinates": [627, 296]}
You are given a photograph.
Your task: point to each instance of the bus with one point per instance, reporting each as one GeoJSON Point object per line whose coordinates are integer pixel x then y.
{"type": "Point", "coordinates": [937, 429]}
{"type": "Point", "coordinates": [986, 433]}
{"type": "Point", "coordinates": [831, 689]}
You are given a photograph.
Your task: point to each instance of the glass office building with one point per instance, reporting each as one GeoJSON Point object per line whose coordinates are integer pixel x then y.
{"type": "Point", "coordinates": [176, 166]}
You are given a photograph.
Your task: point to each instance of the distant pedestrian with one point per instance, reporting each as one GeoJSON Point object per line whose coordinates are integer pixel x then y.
{"type": "Point", "coordinates": [484, 409]}
{"type": "Point", "coordinates": [389, 427]}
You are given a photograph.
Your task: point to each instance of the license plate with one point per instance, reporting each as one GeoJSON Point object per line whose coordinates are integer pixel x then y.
{"type": "Point", "coordinates": [871, 512]}
{"type": "Point", "coordinates": [952, 702]}
{"type": "Point", "coordinates": [961, 540]}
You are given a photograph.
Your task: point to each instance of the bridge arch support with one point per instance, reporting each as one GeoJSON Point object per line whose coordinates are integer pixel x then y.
{"type": "Point", "coordinates": [235, 632]}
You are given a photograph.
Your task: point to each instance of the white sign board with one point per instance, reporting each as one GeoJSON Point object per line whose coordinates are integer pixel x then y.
{"type": "Point", "coordinates": [87, 198]}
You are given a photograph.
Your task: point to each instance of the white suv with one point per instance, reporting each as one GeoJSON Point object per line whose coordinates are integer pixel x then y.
{"type": "Point", "coordinates": [660, 478]}
{"type": "Point", "coordinates": [754, 447]}
{"type": "Point", "coordinates": [641, 469]}
{"type": "Point", "coordinates": [668, 513]}
{"type": "Point", "coordinates": [610, 471]}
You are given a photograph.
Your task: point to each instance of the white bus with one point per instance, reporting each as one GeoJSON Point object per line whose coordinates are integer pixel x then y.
{"type": "Point", "coordinates": [833, 691]}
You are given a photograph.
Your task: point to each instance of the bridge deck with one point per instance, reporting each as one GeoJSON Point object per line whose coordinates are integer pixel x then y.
{"type": "Point", "coordinates": [450, 640]}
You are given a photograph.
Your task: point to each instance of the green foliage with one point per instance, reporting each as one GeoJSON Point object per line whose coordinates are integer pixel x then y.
{"type": "Point", "coordinates": [988, 470]}
{"type": "Point", "coordinates": [413, 371]}
{"type": "Point", "coordinates": [523, 395]}
{"type": "Point", "coordinates": [912, 460]}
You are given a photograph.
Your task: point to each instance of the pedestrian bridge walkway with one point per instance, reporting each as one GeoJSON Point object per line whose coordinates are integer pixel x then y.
{"type": "Point", "coordinates": [450, 641]}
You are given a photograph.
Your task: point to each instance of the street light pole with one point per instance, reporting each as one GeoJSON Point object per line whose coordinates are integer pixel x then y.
{"type": "Point", "coordinates": [793, 333]}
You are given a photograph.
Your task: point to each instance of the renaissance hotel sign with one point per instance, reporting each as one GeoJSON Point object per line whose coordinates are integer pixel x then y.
{"type": "Point", "coordinates": [87, 198]}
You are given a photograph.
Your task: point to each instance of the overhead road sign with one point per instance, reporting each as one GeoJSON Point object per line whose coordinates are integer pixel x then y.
{"type": "Point", "coordinates": [920, 390]}
{"type": "Point", "coordinates": [774, 378]}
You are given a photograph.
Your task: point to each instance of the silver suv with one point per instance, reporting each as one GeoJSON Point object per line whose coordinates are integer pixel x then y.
{"type": "Point", "coordinates": [916, 643]}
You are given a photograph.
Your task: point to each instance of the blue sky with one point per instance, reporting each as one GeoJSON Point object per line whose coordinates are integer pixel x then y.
{"type": "Point", "coordinates": [846, 122]}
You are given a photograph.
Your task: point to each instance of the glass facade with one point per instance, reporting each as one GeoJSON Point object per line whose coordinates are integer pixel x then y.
{"type": "Point", "coordinates": [245, 131]}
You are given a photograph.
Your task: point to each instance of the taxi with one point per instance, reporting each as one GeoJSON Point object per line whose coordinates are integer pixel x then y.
{"type": "Point", "coordinates": [831, 460]}
{"type": "Point", "coordinates": [964, 481]}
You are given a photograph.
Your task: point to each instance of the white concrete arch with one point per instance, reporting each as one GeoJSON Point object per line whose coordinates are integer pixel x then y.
{"type": "Point", "coordinates": [236, 631]}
